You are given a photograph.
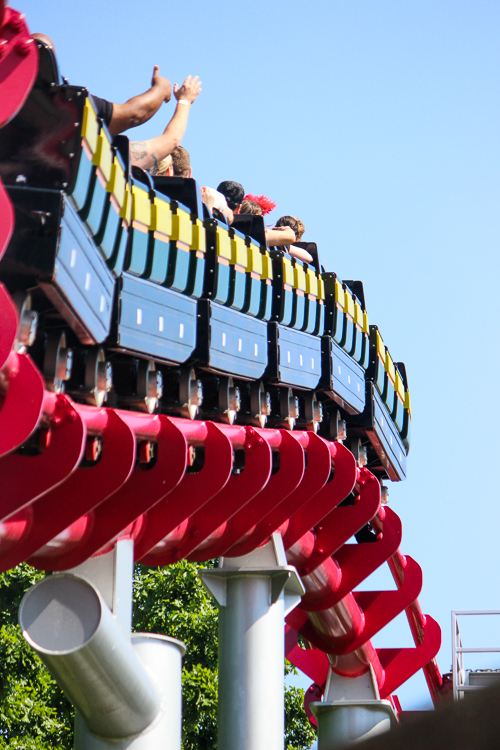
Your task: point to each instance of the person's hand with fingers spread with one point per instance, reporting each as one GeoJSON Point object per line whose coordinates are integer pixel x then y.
{"type": "Point", "coordinates": [187, 93]}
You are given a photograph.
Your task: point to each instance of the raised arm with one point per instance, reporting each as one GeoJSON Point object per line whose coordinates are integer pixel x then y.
{"type": "Point", "coordinates": [147, 154]}
{"type": "Point", "coordinates": [141, 108]}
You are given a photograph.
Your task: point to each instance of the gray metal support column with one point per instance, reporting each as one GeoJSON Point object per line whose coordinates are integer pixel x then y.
{"type": "Point", "coordinates": [113, 574]}
{"type": "Point", "coordinates": [253, 593]}
{"type": "Point", "coordinates": [352, 711]}
{"type": "Point", "coordinates": [126, 689]}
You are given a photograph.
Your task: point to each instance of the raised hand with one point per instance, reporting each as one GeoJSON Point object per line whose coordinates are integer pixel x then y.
{"type": "Point", "coordinates": [163, 83]}
{"type": "Point", "coordinates": [189, 89]}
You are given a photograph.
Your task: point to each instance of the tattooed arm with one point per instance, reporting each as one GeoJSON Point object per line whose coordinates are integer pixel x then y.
{"type": "Point", "coordinates": [142, 156]}
{"type": "Point", "coordinates": [147, 154]}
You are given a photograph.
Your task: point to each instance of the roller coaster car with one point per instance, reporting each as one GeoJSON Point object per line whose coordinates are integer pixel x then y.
{"type": "Point", "coordinates": [165, 307]}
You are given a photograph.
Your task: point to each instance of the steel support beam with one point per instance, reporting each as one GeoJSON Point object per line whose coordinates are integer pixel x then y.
{"type": "Point", "coordinates": [126, 687]}
{"type": "Point", "coordinates": [67, 622]}
{"type": "Point", "coordinates": [253, 592]}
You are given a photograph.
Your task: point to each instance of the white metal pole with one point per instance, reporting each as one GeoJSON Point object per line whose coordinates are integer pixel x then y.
{"type": "Point", "coordinates": [126, 687]}
{"type": "Point", "coordinates": [253, 593]}
{"type": "Point", "coordinates": [66, 621]}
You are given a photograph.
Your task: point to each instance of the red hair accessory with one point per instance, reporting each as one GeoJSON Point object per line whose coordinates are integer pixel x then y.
{"type": "Point", "coordinates": [266, 204]}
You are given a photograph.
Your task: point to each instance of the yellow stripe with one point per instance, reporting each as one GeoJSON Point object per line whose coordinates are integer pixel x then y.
{"type": "Point", "coordinates": [366, 327]}
{"type": "Point", "coordinates": [321, 288]}
{"type": "Point", "coordinates": [239, 252]}
{"type": "Point", "coordinates": [182, 227]}
{"type": "Point", "coordinates": [161, 217]}
{"type": "Point", "coordinates": [407, 402]}
{"type": "Point", "coordinates": [339, 293]}
{"type": "Point", "coordinates": [255, 259]}
{"type": "Point", "coordinates": [299, 278]}
{"type": "Point", "coordinates": [199, 237]}
{"type": "Point", "coordinates": [117, 183]}
{"type": "Point", "coordinates": [267, 267]}
{"type": "Point", "coordinates": [380, 346]}
{"type": "Point", "coordinates": [288, 275]}
{"type": "Point", "coordinates": [103, 157]}
{"type": "Point", "coordinates": [389, 366]}
{"type": "Point", "coordinates": [311, 282]}
{"type": "Point", "coordinates": [358, 315]}
{"type": "Point", "coordinates": [90, 126]}
{"type": "Point", "coordinates": [223, 243]}
{"type": "Point", "coordinates": [141, 206]}
{"type": "Point", "coordinates": [126, 212]}
{"type": "Point", "coordinates": [348, 303]}
{"type": "Point", "coordinates": [399, 387]}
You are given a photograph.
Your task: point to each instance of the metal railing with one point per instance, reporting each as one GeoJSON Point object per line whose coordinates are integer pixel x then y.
{"type": "Point", "coordinates": [458, 650]}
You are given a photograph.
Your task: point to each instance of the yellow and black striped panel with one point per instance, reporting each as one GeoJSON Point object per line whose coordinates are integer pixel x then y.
{"type": "Point", "coordinates": [333, 295]}
{"type": "Point", "coordinates": [90, 129]}
{"type": "Point", "coordinates": [406, 431]}
{"type": "Point", "coordinates": [365, 357]}
{"type": "Point", "coordinates": [398, 411]}
{"type": "Point", "coordinates": [182, 229]}
{"type": "Point", "coordinates": [347, 341]}
{"type": "Point", "coordinates": [357, 348]}
{"type": "Point", "coordinates": [299, 320]}
{"type": "Point", "coordinates": [117, 185]}
{"type": "Point", "coordinates": [256, 289]}
{"type": "Point", "coordinates": [103, 158]}
{"type": "Point", "coordinates": [239, 265]}
{"type": "Point", "coordinates": [390, 382]}
{"type": "Point", "coordinates": [136, 262]}
{"type": "Point", "coordinates": [377, 359]}
{"type": "Point", "coordinates": [89, 142]}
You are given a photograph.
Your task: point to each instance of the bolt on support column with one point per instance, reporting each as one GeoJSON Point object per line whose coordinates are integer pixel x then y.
{"type": "Point", "coordinates": [254, 592]}
{"type": "Point", "coordinates": [351, 711]}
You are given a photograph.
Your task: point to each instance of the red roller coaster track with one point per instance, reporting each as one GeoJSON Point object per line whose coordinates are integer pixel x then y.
{"type": "Point", "coordinates": [60, 505]}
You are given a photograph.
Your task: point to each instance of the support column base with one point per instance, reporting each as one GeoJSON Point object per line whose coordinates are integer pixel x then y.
{"type": "Point", "coordinates": [162, 657]}
{"type": "Point", "coordinates": [349, 722]}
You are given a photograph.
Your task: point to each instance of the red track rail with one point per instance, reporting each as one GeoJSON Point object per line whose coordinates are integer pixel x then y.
{"type": "Point", "coordinates": [60, 505]}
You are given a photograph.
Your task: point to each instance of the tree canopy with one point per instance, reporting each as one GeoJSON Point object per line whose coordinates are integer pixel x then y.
{"type": "Point", "coordinates": [34, 713]}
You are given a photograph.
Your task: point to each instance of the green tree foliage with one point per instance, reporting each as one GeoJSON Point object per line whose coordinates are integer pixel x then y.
{"type": "Point", "coordinates": [35, 715]}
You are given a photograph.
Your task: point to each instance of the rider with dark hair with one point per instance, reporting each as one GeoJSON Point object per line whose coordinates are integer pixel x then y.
{"type": "Point", "coordinates": [233, 193]}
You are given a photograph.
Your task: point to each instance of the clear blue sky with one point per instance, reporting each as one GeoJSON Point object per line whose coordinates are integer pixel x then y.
{"type": "Point", "coordinates": [377, 123]}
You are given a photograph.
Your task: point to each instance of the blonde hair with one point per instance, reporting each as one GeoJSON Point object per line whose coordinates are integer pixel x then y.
{"type": "Point", "coordinates": [164, 165]}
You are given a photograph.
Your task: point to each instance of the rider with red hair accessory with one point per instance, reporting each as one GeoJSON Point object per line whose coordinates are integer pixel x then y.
{"type": "Point", "coordinates": [266, 204]}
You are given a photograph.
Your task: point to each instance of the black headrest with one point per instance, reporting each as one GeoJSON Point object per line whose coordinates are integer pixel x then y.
{"type": "Point", "coordinates": [140, 175]}
{"type": "Point", "coordinates": [402, 371]}
{"type": "Point", "coordinates": [312, 249]}
{"type": "Point", "coordinates": [48, 72]}
{"type": "Point", "coordinates": [356, 288]}
{"type": "Point", "coordinates": [183, 190]}
{"type": "Point", "coordinates": [121, 144]}
{"type": "Point", "coordinates": [251, 225]}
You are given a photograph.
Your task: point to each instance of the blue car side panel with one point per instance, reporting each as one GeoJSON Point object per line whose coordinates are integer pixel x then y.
{"type": "Point", "coordinates": [231, 342]}
{"type": "Point", "coordinates": [83, 279]}
{"type": "Point", "coordinates": [294, 357]}
{"type": "Point", "coordinates": [155, 321]}
{"type": "Point", "coordinates": [343, 378]}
